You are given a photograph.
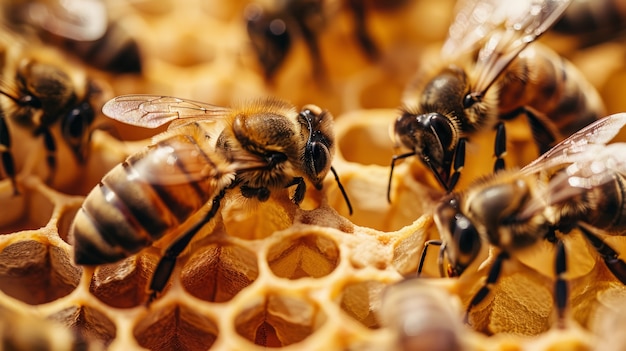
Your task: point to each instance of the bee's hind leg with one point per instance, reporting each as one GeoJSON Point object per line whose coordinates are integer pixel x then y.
{"type": "Point", "coordinates": [166, 264]}
{"type": "Point", "coordinates": [8, 164]}
{"type": "Point", "coordinates": [561, 292]}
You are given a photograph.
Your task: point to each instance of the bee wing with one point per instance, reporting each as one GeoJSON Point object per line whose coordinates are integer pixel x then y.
{"type": "Point", "coordinates": [82, 20]}
{"type": "Point", "coordinates": [579, 146]}
{"type": "Point", "coordinates": [583, 161]}
{"type": "Point", "coordinates": [178, 164]}
{"type": "Point", "coordinates": [593, 169]}
{"type": "Point", "coordinates": [503, 28]}
{"type": "Point", "coordinates": [151, 111]}
{"type": "Point", "coordinates": [473, 20]}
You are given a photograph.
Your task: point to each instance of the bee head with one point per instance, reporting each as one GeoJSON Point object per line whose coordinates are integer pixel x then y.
{"type": "Point", "coordinates": [432, 137]}
{"type": "Point", "coordinates": [270, 37]}
{"type": "Point", "coordinates": [458, 233]}
{"type": "Point", "coordinates": [319, 147]}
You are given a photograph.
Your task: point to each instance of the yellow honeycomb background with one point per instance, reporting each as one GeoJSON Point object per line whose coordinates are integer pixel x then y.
{"type": "Point", "coordinates": [272, 274]}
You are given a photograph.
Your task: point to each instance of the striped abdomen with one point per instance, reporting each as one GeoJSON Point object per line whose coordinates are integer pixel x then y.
{"type": "Point", "coordinates": [145, 197]}
{"type": "Point", "coordinates": [550, 85]}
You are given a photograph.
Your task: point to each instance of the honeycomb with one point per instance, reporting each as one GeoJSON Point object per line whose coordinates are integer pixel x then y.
{"type": "Point", "coordinates": [274, 274]}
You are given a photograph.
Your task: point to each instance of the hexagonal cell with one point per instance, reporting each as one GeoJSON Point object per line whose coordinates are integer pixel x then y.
{"type": "Point", "coordinates": [123, 284]}
{"type": "Point", "coordinates": [309, 255]}
{"type": "Point", "coordinates": [65, 222]}
{"type": "Point", "coordinates": [36, 273]}
{"type": "Point", "coordinates": [252, 220]}
{"type": "Point", "coordinates": [176, 328]}
{"type": "Point", "coordinates": [88, 322]}
{"type": "Point", "coordinates": [278, 321]}
{"type": "Point", "coordinates": [364, 136]}
{"type": "Point", "coordinates": [22, 330]}
{"type": "Point", "coordinates": [361, 300]}
{"type": "Point", "coordinates": [25, 211]}
{"type": "Point", "coordinates": [218, 272]}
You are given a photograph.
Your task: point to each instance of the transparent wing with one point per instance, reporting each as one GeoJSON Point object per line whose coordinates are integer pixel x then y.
{"type": "Point", "coordinates": [82, 20]}
{"type": "Point", "coordinates": [473, 21]}
{"type": "Point", "coordinates": [152, 111]}
{"type": "Point", "coordinates": [502, 29]}
{"type": "Point", "coordinates": [581, 162]}
{"type": "Point", "coordinates": [581, 145]}
{"type": "Point", "coordinates": [177, 163]}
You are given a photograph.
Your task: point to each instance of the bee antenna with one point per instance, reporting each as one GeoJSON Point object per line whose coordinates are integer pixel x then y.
{"type": "Point", "coordinates": [343, 191]}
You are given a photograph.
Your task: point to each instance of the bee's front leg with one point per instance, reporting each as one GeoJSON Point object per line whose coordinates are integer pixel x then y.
{"type": "Point", "coordinates": [298, 195]}
{"type": "Point", "coordinates": [499, 147]}
{"type": "Point", "coordinates": [51, 151]}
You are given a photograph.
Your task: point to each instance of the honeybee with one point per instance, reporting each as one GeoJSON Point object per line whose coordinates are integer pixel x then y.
{"type": "Point", "coordinates": [274, 29]}
{"type": "Point", "coordinates": [492, 75]}
{"type": "Point", "coordinates": [41, 90]}
{"type": "Point", "coordinates": [80, 27]}
{"type": "Point", "coordinates": [22, 331]}
{"type": "Point", "coordinates": [422, 316]}
{"type": "Point", "coordinates": [578, 184]}
{"type": "Point", "coordinates": [258, 148]}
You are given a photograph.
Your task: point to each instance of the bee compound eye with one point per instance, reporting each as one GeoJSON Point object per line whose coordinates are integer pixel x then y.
{"type": "Point", "coordinates": [77, 121]}
{"type": "Point", "coordinates": [466, 241]}
{"type": "Point", "coordinates": [442, 129]}
{"type": "Point", "coordinates": [320, 158]}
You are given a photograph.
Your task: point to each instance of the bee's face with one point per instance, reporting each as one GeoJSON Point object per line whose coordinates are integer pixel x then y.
{"type": "Point", "coordinates": [458, 232]}
{"type": "Point", "coordinates": [269, 36]}
{"type": "Point", "coordinates": [431, 136]}
{"type": "Point", "coordinates": [48, 92]}
{"type": "Point", "coordinates": [319, 148]}
{"type": "Point", "coordinates": [287, 143]}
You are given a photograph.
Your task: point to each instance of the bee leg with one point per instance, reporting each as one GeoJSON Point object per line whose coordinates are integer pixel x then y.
{"type": "Point", "coordinates": [611, 257]}
{"type": "Point", "coordinates": [459, 163]}
{"type": "Point", "coordinates": [561, 292]}
{"type": "Point", "coordinates": [423, 256]}
{"type": "Point", "coordinates": [543, 136]}
{"type": "Point", "coordinates": [499, 147]}
{"type": "Point", "coordinates": [166, 264]}
{"type": "Point", "coordinates": [51, 148]}
{"type": "Point", "coordinates": [492, 278]}
{"type": "Point", "coordinates": [393, 164]}
{"type": "Point", "coordinates": [298, 195]}
{"type": "Point", "coordinates": [8, 164]}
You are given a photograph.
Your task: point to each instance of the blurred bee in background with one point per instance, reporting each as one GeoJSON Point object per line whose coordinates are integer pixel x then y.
{"type": "Point", "coordinates": [258, 148]}
{"type": "Point", "coordinates": [579, 184]}
{"type": "Point", "coordinates": [21, 331]}
{"type": "Point", "coordinates": [80, 27]}
{"type": "Point", "coordinates": [274, 29]}
{"type": "Point", "coordinates": [40, 89]}
{"type": "Point", "coordinates": [593, 22]}
{"type": "Point", "coordinates": [491, 75]}
{"type": "Point", "coordinates": [422, 316]}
